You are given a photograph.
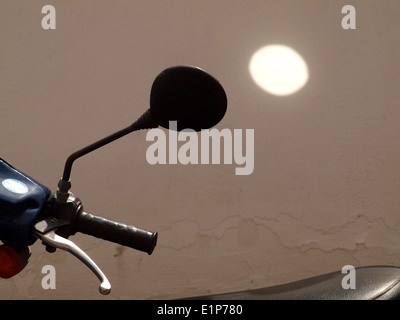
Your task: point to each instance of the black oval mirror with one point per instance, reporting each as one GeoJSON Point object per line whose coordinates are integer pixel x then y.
{"type": "Point", "coordinates": [188, 95]}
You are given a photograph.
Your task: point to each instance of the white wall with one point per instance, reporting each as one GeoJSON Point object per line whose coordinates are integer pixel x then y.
{"type": "Point", "coordinates": [325, 189]}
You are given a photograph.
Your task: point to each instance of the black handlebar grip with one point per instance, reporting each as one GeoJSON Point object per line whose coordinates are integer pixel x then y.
{"type": "Point", "coordinates": [113, 231]}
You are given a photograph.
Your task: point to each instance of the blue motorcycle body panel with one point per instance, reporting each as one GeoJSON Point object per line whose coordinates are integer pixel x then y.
{"type": "Point", "coordinates": [21, 200]}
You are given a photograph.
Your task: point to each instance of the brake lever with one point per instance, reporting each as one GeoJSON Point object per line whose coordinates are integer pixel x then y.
{"type": "Point", "coordinates": [41, 230]}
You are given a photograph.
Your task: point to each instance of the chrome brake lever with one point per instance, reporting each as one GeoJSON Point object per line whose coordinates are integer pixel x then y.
{"type": "Point", "coordinates": [54, 240]}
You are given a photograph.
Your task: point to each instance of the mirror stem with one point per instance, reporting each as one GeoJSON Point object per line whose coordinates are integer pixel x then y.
{"type": "Point", "coordinates": [146, 121]}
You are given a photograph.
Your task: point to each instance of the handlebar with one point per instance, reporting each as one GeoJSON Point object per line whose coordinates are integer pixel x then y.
{"type": "Point", "coordinates": [117, 232]}
{"type": "Point", "coordinates": [65, 218]}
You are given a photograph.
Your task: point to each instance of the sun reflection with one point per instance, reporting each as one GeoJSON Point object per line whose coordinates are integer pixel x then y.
{"type": "Point", "coordinates": [278, 69]}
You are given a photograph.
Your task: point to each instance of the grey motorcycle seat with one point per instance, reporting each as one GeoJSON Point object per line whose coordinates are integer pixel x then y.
{"type": "Point", "coordinates": [371, 283]}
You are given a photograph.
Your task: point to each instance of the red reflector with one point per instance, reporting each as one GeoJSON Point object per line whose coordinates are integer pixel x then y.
{"type": "Point", "coordinates": [10, 263]}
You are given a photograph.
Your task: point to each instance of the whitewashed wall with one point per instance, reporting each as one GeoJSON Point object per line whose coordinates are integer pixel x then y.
{"type": "Point", "coordinates": [326, 184]}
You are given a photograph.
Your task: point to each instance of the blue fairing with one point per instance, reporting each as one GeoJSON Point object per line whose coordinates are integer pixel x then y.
{"type": "Point", "coordinates": [21, 200]}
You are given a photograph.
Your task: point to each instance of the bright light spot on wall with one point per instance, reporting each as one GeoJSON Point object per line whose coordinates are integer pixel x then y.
{"type": "Point", "coordinates": [279, 70]}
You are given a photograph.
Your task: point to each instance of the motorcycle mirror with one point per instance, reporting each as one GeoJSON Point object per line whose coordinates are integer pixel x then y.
{"type": "Point", "coordinates": [188, 95]}
{"type": "Point", "coordinates": [185, 94]}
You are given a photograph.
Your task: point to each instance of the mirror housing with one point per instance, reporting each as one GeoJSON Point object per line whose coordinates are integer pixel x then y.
{"type": "Point", "coordinates": [189, 96]}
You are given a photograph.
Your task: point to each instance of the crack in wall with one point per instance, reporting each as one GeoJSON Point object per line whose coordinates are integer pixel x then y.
{"type": "Point", "coordinates": [290, 232]}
